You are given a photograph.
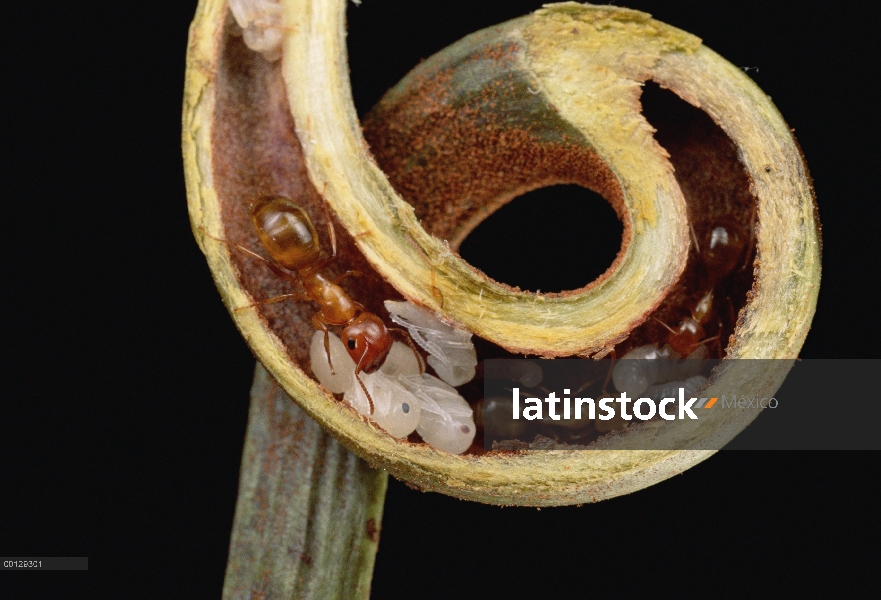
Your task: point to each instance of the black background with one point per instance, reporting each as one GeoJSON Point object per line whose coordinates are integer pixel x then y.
{"type": "Point", "coordinates": [126, 383]}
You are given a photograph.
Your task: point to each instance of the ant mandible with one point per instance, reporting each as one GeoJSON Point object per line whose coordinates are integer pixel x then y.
{"type": "Point", "coordinates": [289, 236]}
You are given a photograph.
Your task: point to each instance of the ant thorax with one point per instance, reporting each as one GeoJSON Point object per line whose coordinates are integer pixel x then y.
{"type": "Point", "coordinates": [336, 308]}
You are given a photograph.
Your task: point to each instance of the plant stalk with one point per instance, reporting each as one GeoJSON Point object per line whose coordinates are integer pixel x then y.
{"type": "Point", "coordinates": [309, 511]}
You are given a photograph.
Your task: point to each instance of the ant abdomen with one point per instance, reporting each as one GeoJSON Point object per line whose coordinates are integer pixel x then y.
{"type": "Point", "coordinates": [286, 232]}
{"type": "Point", "coordinates": [722, 249]}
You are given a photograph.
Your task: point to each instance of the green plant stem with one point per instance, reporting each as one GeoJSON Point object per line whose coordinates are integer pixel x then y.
{"type": "Point", "coordinates": [309, 511]}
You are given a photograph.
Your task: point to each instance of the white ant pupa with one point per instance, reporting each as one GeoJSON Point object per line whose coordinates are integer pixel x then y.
{"type": "Point", "coordinates": [451, 351]}
{"type": "Point", "coordinates": [261, 23]}
{"type": "Point", "coordinates": [447, 420]}
{"type": "Point", "coordinates": [648, 365]}
{"type": "Point", "coordinates": [525, 372]}
{"type": "Point", "coordinates": [404, 400]}
{"type": "Point", "coordinates": [394, 408]}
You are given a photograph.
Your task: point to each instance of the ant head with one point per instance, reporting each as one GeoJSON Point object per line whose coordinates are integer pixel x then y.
{"type": "Point", "coordinates": [286, 232]}
{"type": "Point", "coordinates": [687, 336]}
{"type": "Point", "coordinates": [367, 341]}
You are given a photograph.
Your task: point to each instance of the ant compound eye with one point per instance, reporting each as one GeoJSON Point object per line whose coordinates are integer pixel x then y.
{"type": "Point", "coordinates": [352, 343]}
{"type": "Point", "coordinates": [405, 407]}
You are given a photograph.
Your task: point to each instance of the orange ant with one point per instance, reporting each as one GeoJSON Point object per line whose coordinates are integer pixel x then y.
{"type": "Point", "coordinates": [721, 254]}
{"type": "Point", "coordinates": [724, 248]}
{"type": "Point", "coordinates": [726, 245]}
{"type": "Point", "coordinates": [289, 236]}
{"type": "Point", "coordinates": [688, 334]}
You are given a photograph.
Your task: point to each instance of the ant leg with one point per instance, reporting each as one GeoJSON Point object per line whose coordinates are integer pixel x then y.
{"type": "Point", "coordinates": [283, 28]}
{"type": "Point", "coordinates": [435, 291]}
{"type": "Point", "coordinates": [273, 300]}
{"type": "Point", "coordinates": [609, 372]}
{"type": "Point", "coordinates": [321, 326]}
{"type": "Point", "coordinates": [703, 344]}
{"type": "Point", "coordinates": [715, 338]}
{"type": "Point", "coordinates": [361, 383]}
{"type": "Point", "coordinates": [542, 388]}
{"type": "Point", "coordinates": [272, 266]}
{"type": "Point", "coordinates": [347, 274]}
{"type": "Point", "coordinates": [331, 231]}
{"type": "Point", "coordinates": [586, 385]}
{"type": "Point", "coordinates": [366, 393]}
{"type": "Point", "coordinates": [319, 265]}
{"type": "Point", "coordinates": [409, 341]}
{"type": "Point", "coordinates": [731, 316]}
{"type": "Point", "coordinates": [697, 245]}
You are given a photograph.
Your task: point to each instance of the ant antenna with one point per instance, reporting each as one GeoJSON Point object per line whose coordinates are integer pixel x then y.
{"type": "Point", "coordinates": [667, 327]}
{"type": "Point", "coordinates": [361, 383]}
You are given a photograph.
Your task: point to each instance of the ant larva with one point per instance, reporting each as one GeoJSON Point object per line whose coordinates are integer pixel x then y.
{"type": "Point", "coordinates": [287, 233]}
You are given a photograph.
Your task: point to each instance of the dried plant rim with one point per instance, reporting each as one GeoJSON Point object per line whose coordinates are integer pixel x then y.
{"type": "Point", "coordinates": [600, 99]}
{"type": "Point", "coordinates": [773, 324]}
